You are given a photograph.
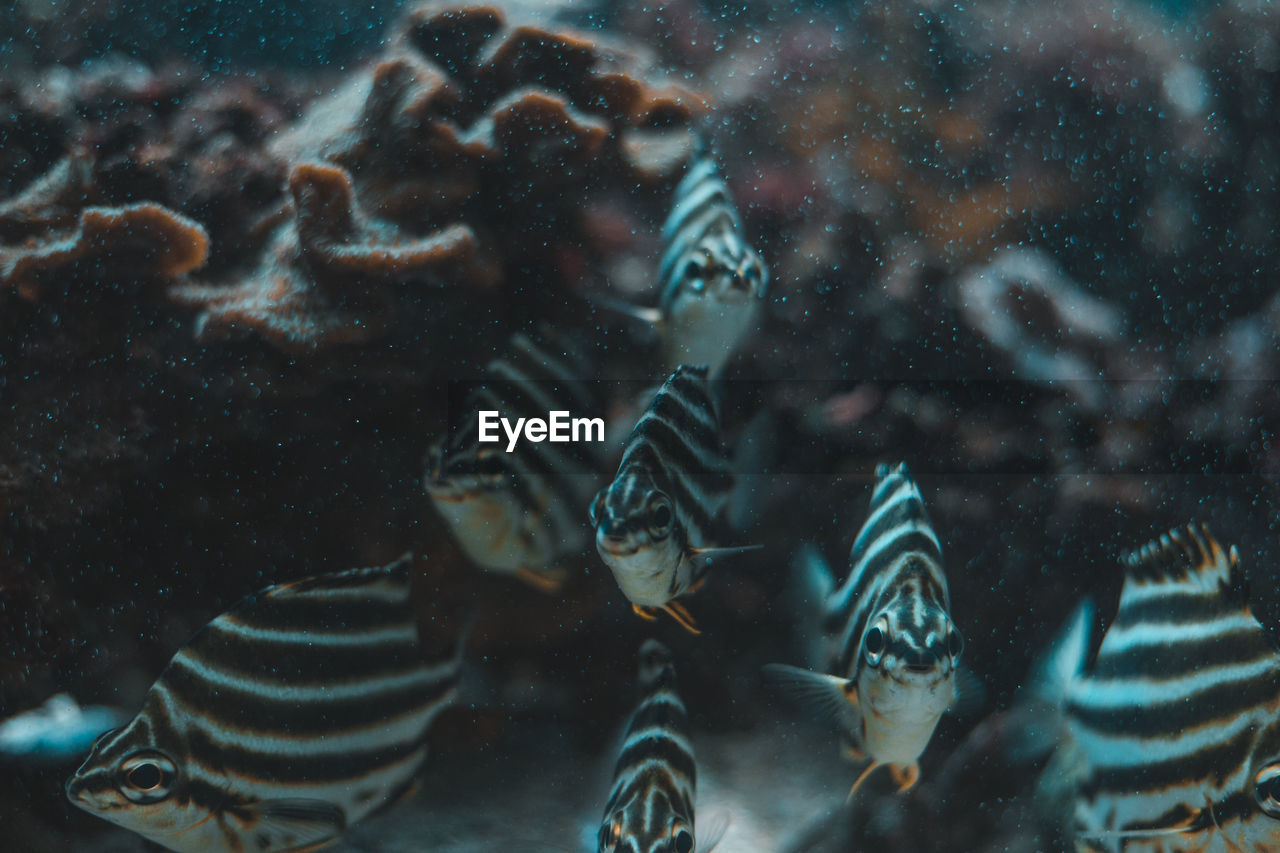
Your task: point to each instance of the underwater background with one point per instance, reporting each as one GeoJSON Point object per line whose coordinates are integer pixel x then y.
{"type": "Point", "coordinates": [1028, 248]}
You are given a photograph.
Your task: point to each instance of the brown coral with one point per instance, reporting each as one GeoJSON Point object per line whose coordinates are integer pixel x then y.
{"type": "Point", "coordinates": [463, 87]}
{"type": "Point", "coordinates": [468, 117]}
{"type": "Point", "coordinates": [318, 280]}
{"type": "Point", "coordinates": [55, 230]}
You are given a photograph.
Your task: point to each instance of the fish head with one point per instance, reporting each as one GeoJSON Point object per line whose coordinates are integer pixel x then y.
{"type": "Point", "coordinates": [655, 823]}
{"type": "Point", "coordinates": [909, 651]}
{"type": "Point", "coordinates": [483, 509]}
{"type": "Point", "coordinates": [137, 785]}
{"type": "Point", "coordinates": [722, 267]}
{"type": "Point", "coordinates": [639, 537]}
{"type": "Point", "coordinates": [1262, 830]}
{"type": "Point", "coordinates": [460, 473]}
{"type": "Point", "coordinates": [655, 663]}
{"type": "Point", "coordinates": [906, 681]}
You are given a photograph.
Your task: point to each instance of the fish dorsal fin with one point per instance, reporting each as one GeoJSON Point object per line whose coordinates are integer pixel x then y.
{"type": "Point", "coordinates": [1184, 555]}
{"type": "Point", "coordinates": [296, 825]}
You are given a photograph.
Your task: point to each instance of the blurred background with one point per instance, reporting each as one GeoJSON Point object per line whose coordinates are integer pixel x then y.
{"type": "Point", "coordinates": [1027, 248]}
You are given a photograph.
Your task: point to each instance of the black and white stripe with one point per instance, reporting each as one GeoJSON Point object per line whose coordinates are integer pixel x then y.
{"type": "Point", "coordinates": [519, 512]}
{"type": "Point", "coordinates": [711, 281]}
{"type": "Point", "coordinates": [895, 575]}
{"type": "Point", "coordinates": [665, 504]}
{"type": "Point", "coordinates": [888, 663]}
{"type": "Point", "coordinates": [650, 806]}
{"type": "Point", "coordinates": [287, 718]}
{"type": "Point", "coordinates": [1179, 716]}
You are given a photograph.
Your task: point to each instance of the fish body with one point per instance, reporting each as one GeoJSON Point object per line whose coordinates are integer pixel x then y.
{"type": "Point", "coordinates": [517, 512]}
{"type": "Point", "coordinates": [650, 806]}
{"type": "Point", "coordinates": [282, 722]}
{"type": "Point", "coordinates": [891, 650]}
{"type": "Point", "coordinates": [712, 281]}
{"type": "Point", "coordinates": [1178, 717]}
{"type": "Point", "coordinates": [656, 522]}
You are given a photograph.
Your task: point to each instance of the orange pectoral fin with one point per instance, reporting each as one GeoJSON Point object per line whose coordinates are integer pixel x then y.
{"type": "Point", "coordinates": [905, 775]}
{"type": "Point", "coordinates": [861, 778]}
{"type": "Point", "coordinates": [681, 615]}
{"type": "Point", "coordinates": [645, 613]}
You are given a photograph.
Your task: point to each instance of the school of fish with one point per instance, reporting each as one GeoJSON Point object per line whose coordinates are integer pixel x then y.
{"type": "Point", "coordinates": [307, 707]}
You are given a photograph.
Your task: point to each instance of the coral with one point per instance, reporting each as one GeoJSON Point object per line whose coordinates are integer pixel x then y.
{"type": "Point", "coordinates": [1046, 327]}
{"type": "Point", "coordinates": [465, 84]}
{"type": "Point", "coordinates": [468, 116]}
{"type": "Point", "coordinates": [56, 231]}
{"type": "Point", "coordinates": [318, 281]}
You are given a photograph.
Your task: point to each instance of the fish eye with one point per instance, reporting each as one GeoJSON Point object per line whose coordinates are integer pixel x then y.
{"type": "Point", "coordinates": [682, 842]}
{"type": "Point", "coordinates": [1266, 789]}
{"type": "Point", "coordinates": [147, 778]}
{"type": "Point", "coordinates": [610, 834]}
{"type": "Point", "coordinates": [694, 270]}
{"type": "Point", "coordinates": [873, 644]}
{"type": "Point", "coordinates": [660, 518]}
{"type": "Point", "coordinates": [955, 643]}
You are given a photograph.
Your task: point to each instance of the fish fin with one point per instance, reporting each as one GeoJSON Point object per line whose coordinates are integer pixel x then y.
{"type": "Point", "coordinates": [406, 791]}
{"type": "Point", "coordinates": [296, 825]}
{"type": "Point", "coordinates": [1041, 703]}
{"type": "Point", "coordinates": [817, 581]}
{"type": "Point", "coordinates": [971, 694]}
{"type": "Point", "coordinates": [711, 831]}
{"type": "Point", "coordinates": [832, 697]}
{"type": "Point", "coordinates": [1130, 834]}
{"type": "Point", "coordinates": [862, 777]}
{"type": "Point", "coordinates": [806, 598]}
{"type": "Point", "coordinates": [652, 316]}
{"type": "Point", "coordinates": [1187, 554]}
{"type": "Point", "coordinates": [678, 612]}
{"type": "Point", "coordinates": [544, 580]}
{"type": "Point", "coordinates": [1065, 660]}
{"type": "Point", "coordinates": [753, 455]}
{"type": "Point", "coordinates": [645, 613]}
{"type": "Point", "coordinates": [711, 553]}
{"type": "Point", "coordinates": [905, 776]}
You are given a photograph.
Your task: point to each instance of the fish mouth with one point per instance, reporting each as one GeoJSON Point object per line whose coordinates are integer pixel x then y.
{"type": "Point", "coordinates": [74, 789]}
{"type": "Point", "coordinates": [446, 494]}
{"type": "Point", "coordinates": [617, 547]}
{"type": "Point", "coordinates": [736, 289]}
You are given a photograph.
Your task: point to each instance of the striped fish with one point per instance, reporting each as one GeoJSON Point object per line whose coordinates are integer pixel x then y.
{"type": "Point", "coordinates": [656, 521]}
{"type": "Point", "coordinates": [282, 722]}
{"type": "Point", "coordinates": [712, 282]}
{"type": "Point", "coordinates": [1178, 718]}
{"type": "Point", "coordinates": [891, 650]}
{"type": "Point", "coordinates": [650, 808]}
{"type": "Point", "coordinates": [517, 512]}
